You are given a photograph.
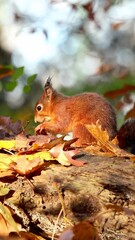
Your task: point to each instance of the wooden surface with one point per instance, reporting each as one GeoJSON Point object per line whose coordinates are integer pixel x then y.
{"type": "Point", "coordinates": [102, 191]}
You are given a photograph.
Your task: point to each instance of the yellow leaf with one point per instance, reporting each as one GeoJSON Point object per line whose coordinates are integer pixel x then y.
{"type": "Point", "coordinates": [7, 144]}
{"type": "Point", "coordinates": [6, 159]}
{"type": "Point", "coordinates": [63, 159]}
{"type": "Point", "coordinates": [9, 224]}
{"type": "Point", "coordinates": [3, 190]}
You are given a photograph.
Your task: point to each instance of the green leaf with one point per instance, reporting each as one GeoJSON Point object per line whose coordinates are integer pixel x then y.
{"type": "Point", "coordinates": [10, 86]}
{"type": "Point", "coordinates": [26, 88]}
{"type": "Point", "coordinates": [31, 78]}
{"type": "Point", "coordinates": [18, 73]}
{"type": "Point", "coordinates": [8, 67]}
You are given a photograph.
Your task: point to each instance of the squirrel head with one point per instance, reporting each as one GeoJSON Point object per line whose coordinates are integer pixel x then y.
{"type": "Point", "coordinates": [42, 108]}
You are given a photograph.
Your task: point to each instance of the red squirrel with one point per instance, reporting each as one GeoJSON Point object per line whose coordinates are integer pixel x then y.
{"type": "Point", "coordinates": [58, 113]}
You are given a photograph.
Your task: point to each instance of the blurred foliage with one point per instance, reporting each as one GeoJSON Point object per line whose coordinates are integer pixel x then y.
{"type": "Point", "coordinates": [15, 73]}
{"type": "Point", "coordinates": [105, 87]}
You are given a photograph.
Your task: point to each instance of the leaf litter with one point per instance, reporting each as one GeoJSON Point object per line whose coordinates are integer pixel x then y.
{"type": "Point", "coordinates": [22, 154]}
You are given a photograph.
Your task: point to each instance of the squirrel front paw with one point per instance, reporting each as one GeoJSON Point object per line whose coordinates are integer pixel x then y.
{"type": "Point", "coordinates": [40, 129]}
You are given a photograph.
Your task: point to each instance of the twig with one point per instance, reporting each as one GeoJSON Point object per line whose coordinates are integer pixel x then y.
{"type": "Point", "coordinates": [56, 223]}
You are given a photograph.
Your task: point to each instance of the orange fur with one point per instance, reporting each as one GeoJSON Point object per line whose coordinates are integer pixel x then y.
{"type": "Point", "coordinates": [63, 114]}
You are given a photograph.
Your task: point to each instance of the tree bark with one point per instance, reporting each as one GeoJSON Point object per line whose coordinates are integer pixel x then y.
{"type": "Point", "coordinates": [102, 191]}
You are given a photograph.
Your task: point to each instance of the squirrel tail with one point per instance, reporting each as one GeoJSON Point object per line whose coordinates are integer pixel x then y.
{"type": "Point", "coordinates": [126, 135]}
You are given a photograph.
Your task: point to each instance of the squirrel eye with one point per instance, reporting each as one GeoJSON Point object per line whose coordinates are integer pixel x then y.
{"type": "Point", "coordinates": [39, 107]}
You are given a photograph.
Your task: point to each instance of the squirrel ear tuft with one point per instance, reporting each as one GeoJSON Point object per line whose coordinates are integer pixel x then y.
{"type": "Point", "coordinates": [48, 83]}
{"type": "Point", "coordinates": [48, 88]}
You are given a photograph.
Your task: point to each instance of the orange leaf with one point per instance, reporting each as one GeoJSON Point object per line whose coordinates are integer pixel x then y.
{"type": "Point", "coordinates": [4, 72]}
{"type": "Point", "coordinates": [7, 174]}
{"type": "Point", "coordinates": [25, 167]}
{"type": "Point", "coordinates": [7, 223]}
{"type": "Point", "coordinates": [70, 154]}
{"type": "Point", "coordinates": [65, 157]}
{"type": "Point", "coordinates": [81, 231]}
{"type": "Point", "coordinates": [119, 92]}
{"type": "Point", "coordinates": [106, 145]}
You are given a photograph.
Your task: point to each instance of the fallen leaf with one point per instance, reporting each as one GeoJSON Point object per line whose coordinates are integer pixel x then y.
{"type": "Point", "coordinates": [21, 142]}
{"type": "Point", "coordinates": [7, 159]}
{"type": "Point", "coordinates": [66, 157]}
{"type": "Point", "coordinates": [3, 190]}
{"type": "Point", "coordinates": [7, 174]}
{"type": "Point", "coordinates": [25, 167]}
{"type": "Point", "coordinates": [41, 139]}
{"type": "Point", "coordinates": [81, 231]}
{"type": "Point", "coordinates": [97, 150]}
{"type": "Point", "coordinates": [7, 144]}
{"type": "Point", "coordinates": [7, 223]}
{"type": "Point", "coordinates": [62, 159]}
{"type": "Point", "coordinates": [106, 145]}
{"type": "Point", "coordinates": [30, 236]}
{"type": "Point", "coordinates": [35, 147]}
{"type": "Point", "coordinates": [70, 154]}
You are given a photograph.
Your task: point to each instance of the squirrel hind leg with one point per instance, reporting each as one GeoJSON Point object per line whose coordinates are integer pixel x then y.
{"type": "Point", "coordinates": [83, 135]}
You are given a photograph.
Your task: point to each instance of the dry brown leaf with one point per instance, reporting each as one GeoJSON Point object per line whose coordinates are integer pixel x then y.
{"type": "Point", "coordinates": [25, 167]}
{"type": "Point", "coordinates": [47, 143]}
{"type": "Point", "coordinates": [29, 236]}
{"type": "Point", "coordinates": [81, 231]}
{"type": "Point", "coordinates": [106, 145]}
{"type": "Point", "coordinates": [77, 163]}
{"type": "Point", "coordinates": [21, 142]}
{"type": "Point", "coordinates": [66, 157]}
{"type": "Point", "coordinates": [32, 143]}
{"type": "Point", "coordinates": [42, 145]}
{"type": "Point", "coordinates": [7, 174]}
{"type": "Point", "coordinates": [41, 139]}
{"type": "Point", "coordinates": [97, 150]}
